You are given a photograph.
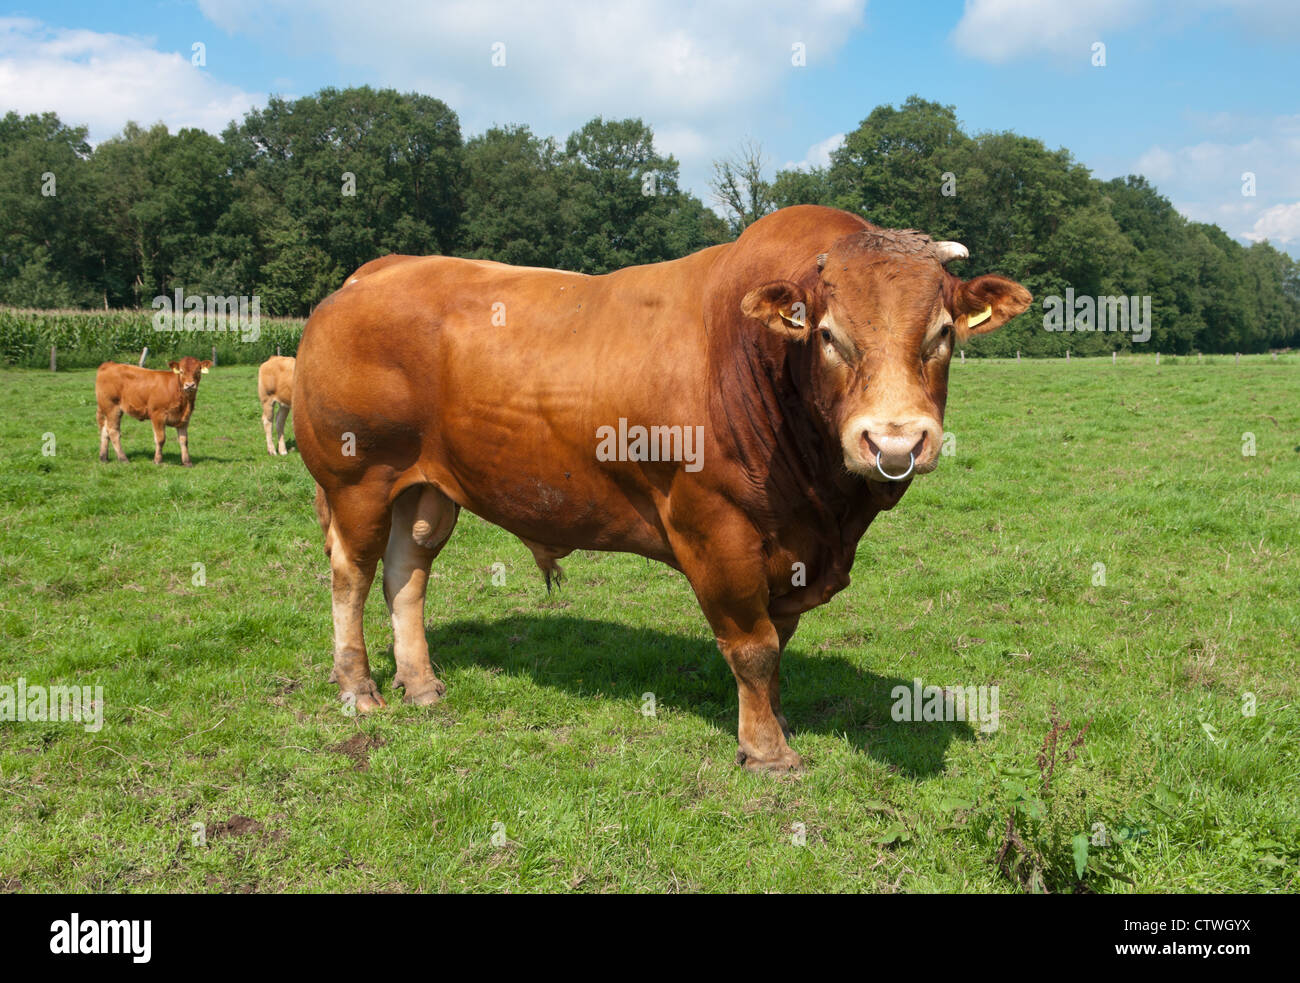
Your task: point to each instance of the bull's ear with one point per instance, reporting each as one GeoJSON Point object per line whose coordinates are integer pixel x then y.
{"type": "Point", "coordinates": [206, 364]}
{"type": "Point", "coordinates": [988, 302]}
{"type": "Point", "coordinates": [174, 366]}
{"type": "Point", "coordinates": [782, 305]}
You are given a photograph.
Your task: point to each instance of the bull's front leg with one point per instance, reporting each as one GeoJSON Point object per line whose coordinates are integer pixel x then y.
{"type": "Point", "coordinates": [785, 628]}
{"type": "Point", "coordinates": [726, 570]}
{"type": "Point", "coordinates": [755, 660]}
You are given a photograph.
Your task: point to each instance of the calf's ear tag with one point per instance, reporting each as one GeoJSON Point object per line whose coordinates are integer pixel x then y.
{"type": "Point", "coordinates": [794, 319]}
{"type": "Point", "coordinates": [205, 370]}
{"type": "Point", "coordinates": [980, 318]}
{"type": "Point", "coordinates": [177, 371]}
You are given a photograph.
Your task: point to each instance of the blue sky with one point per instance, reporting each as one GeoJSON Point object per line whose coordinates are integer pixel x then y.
{"type": "Point", "coordinates": [1192, 94]}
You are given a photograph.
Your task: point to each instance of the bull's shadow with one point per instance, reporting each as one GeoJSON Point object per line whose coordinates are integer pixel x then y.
{"type": "Point", "coordinates": [821, 693]}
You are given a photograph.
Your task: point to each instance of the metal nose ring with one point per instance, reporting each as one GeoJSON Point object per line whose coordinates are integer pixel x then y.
{"type": "Point", "coordinates": [911, 463]}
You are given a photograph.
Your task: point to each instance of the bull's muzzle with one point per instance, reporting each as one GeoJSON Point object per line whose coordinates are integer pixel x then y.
{"type": "Point", "coordinates": [911, 465]}
{"type": "Point", "coordinates": [890, 451]}
{"type": "Point", "coordinates": [894, 454]}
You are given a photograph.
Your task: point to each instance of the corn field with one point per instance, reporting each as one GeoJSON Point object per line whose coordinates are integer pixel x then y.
{"type": "Point", "coordinates": [86, 338]}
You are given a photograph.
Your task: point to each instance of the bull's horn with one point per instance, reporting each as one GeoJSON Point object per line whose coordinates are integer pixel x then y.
{"type": "Point", "coordinates": [946, 252]}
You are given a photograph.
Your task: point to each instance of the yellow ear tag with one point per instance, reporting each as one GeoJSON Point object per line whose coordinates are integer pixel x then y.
{"type": "Point", "coordinates": [205, 370]}
{"type": "Point", "coordinates": [981, 317]}
{"type": "Point", "coordinates": [177, 371]}
{"type": "Point", "coordinates": [789, 316]}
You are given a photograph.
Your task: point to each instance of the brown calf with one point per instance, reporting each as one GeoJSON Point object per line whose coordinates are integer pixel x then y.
{"type": "Point", "coordinates": [275, 385]}
{"type": "Point", "coordinates": [166, 399]}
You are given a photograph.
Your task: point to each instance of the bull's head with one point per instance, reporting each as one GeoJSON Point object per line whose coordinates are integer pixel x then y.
{"type": "Point", "coordinates": [883, 315]}
{"type": "Point", "coordinates": [188, 370]}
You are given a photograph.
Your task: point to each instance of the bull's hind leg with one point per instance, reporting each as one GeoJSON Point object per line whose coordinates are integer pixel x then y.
{"type": "Point", "coordinates": [423, 518]}
{"type": "Point", "coordinates": [359, 522]}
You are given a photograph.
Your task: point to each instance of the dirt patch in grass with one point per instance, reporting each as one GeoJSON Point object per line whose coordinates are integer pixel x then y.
{"type": "Point", "coordinates": [240, 826]}
{"type": "Point", "coordinates": [358, 748]}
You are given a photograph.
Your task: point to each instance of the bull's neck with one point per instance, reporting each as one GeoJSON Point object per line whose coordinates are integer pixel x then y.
{"type": "Point", "coordinates": [765, 413]}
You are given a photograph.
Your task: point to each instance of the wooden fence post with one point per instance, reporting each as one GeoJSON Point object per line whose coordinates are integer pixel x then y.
{"type": "Point", "coordinates": [1114, 357]}
{"type": "Point", "coordinates": [1157, 358]}
{"type": "Point", "coordinates": [54, 360]}
{"type": "Point", "coordinates": [143, 355]}
{"type": "Point", "coordinates": [1238, 361]}
{"type": "Point", "coordinates": [963, 355]}
{"type": "Point", "coordinates": [1017, 356]}
{"type": "Point", "coordinates": [214, 356]}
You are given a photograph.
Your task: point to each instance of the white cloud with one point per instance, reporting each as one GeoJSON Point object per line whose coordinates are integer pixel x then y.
{"type": "Point", "coordinates": [1279, 224]}
{"type": "Point", "coordinates": [104, 80]}
{"type": "Point", "coordinates": [701, 73]}
{"type": "Point", "coordinates": [818, 155]}
{"type": "Point", "coordinates": [662, 56]}
{"type": "Point", "coordinates": [999, 30]}
{"type": "Point", "coordinates": [1205, 181]}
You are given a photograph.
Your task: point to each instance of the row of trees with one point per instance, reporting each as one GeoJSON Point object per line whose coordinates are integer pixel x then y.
{"type": "Point", "coordinates": [1039, 216]}
{"type": "Point", "coordinates": [287, 202]}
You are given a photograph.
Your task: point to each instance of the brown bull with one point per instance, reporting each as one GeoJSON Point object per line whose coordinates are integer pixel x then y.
{"type": "Point", "coordinates": [741, 415]}
{"type": "Point", "coordinates": [165, 399]}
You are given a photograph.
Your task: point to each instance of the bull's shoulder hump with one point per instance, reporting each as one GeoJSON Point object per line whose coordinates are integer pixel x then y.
{"type": "Point", "coordinates": [427, 269]}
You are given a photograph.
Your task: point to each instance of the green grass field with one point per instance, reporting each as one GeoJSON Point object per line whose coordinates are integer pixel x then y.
{"type": "Point", "coordinates": [226, 762]}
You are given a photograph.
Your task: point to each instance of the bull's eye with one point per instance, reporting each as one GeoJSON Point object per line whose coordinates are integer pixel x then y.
{"type": "Point", "coordinates": [945, 331]}
{"type": "Point", "coordinates": [826, 335]}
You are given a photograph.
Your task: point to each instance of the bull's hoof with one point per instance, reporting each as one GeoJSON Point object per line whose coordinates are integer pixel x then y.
{"type": "Point", "coordinates": [783, 762]}
{"type": "Point", "coordinates": [424, 693]}
{"type": "Point", "coordinates": [187, 464]}
{"type": "Point", "coordinates": [364, 696]}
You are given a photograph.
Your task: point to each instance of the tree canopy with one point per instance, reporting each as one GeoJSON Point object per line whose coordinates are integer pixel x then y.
{"type": "Point", "coordinates": [288, 201]}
